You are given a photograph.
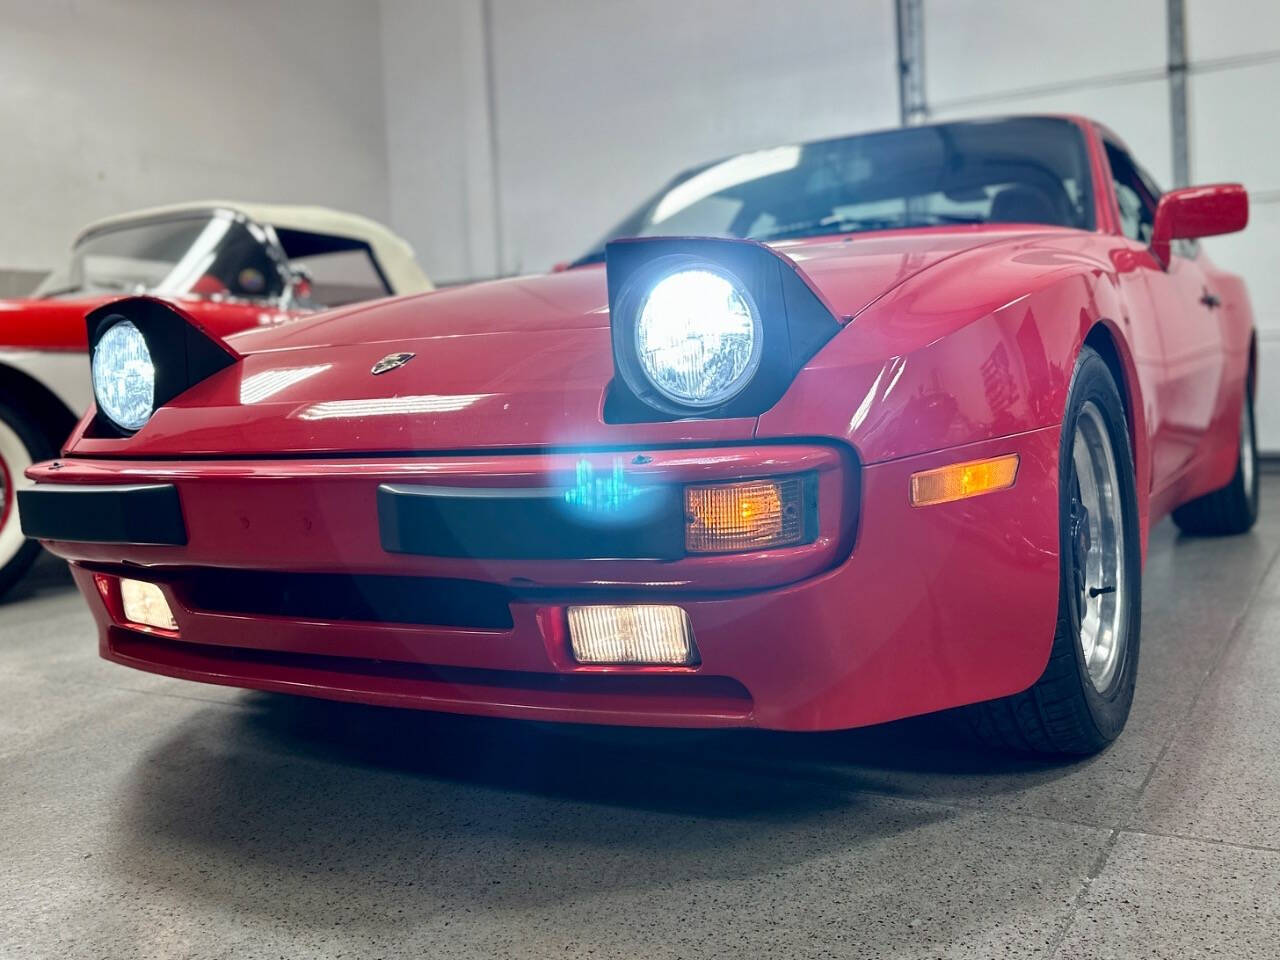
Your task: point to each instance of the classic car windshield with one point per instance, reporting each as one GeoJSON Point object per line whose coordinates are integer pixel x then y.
{"type": "Point", "coordinates": [1020, 170]}
{"type": "Point", "coordinates": [204, 255]}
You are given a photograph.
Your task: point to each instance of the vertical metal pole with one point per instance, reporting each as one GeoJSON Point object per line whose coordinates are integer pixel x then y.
{"type": "Point", "coordinates": [910, 22]}
{"type": "Point", "coordinates": [1178, 113]}
{"type": "Point", "coordinates": [495, 158]}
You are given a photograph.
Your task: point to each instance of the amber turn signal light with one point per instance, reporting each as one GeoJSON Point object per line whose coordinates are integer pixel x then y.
{"type": "Point", "coordinates": [755, 514]}
{"type": "Point", "coordinates": [960, 480]}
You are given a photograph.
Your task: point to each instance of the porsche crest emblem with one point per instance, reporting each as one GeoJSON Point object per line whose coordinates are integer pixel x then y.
{"type": "Point", "coordinates": [390, 362]}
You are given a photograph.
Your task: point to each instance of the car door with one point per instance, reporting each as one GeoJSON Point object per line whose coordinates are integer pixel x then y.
{"type": "Point", "coordinates": [1184, 312]}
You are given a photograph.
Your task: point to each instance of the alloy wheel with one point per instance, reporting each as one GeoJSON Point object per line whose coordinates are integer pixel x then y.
{"type": "Point", "coordinates": [1096, 526]}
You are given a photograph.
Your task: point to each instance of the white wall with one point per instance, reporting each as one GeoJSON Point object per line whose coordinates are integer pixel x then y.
{"type": "Point", "coordinates": [629, 94]}
{"type": "Point", "coordinates": [438, 134]}
{"type": "Point", "coordinates": [109, 105]}
{"type": "Point", "coordinates": [1101, 58]}
{"type": "Point", "coordinates": [596, 104]}
{"type": "Point", "coordinates": [1233, 90]}
{"type": "Point", "coordinates": [1108, 60]}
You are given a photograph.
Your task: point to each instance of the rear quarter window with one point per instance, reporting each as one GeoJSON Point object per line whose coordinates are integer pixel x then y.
{"type": "Point", "coordinates": [342, 277]}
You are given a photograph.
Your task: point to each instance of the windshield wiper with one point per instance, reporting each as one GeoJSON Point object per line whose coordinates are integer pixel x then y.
{"type": "Point", "coordinates": [809, 228]}
{"type": "Point", "coordinates": [938, 219]}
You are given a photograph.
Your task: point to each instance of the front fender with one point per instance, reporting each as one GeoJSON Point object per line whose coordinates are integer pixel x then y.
{"type": "Point", "coordinates": [947, 359]}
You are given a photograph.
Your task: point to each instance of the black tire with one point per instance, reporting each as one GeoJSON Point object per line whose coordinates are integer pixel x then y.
{"type": "Point", "coordinates": [17, 435]}
{"type": "Point", "coordinates": [1064, 712]}
{"type": "Point", "coordinates": [1234, 508]}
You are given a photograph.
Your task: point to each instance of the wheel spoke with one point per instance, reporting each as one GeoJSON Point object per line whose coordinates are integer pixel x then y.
{"type": "Point", "coordinates": [1097, 531]}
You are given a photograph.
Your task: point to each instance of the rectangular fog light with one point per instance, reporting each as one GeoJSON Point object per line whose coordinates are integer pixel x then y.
{"type": "Point", "coordinates": [750, 515]}
{"type": "Point", "coordinates": [145, 605]}
{"type": "Point", "coordinates": [640, 634]}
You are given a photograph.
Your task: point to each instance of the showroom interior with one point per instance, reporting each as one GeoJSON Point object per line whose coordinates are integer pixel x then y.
{"type": "Point", "coordinates": [144, 815]}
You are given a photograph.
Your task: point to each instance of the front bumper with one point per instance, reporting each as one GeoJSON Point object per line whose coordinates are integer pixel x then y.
{"type": "Point", "coordinates": [930, 608]}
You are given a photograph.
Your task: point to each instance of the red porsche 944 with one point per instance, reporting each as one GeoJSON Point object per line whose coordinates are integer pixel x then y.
{"type": "Point", "coordinates": [823, 435]}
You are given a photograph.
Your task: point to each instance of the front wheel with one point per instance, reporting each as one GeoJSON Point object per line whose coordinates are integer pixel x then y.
{"type": "Point", "coordinates": [22, 443]}
{"type": "Point", "coordinates": [1081, 702]}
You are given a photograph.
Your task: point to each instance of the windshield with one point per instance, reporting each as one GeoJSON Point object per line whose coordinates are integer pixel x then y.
{"type": "Point", "coordinates": [1024, 170]}
{"type": "Point", "coordinates": [201, 255]}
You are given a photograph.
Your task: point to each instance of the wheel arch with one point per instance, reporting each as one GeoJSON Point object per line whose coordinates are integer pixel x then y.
{"type": "Point", "coordinates": [45, 409]}
{"type": "Point", "coordinates": [1252, 369]}
{"type": "Point", "coordinates": [1113, 350]}
{"type": "Point", "coordinates": [1101, 339]}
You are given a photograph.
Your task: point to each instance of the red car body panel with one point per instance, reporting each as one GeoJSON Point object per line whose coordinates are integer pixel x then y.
{"type": "Point", "coordinates": [248, 513]}
{"type": "Point", "coordinates": [866, 640]}
{"type": "Point", "coordinates": [44, 351]}
{"type": "Point", "coordinates": [59, 324]}
{"type": "Point", "coordinates": [957, 344]}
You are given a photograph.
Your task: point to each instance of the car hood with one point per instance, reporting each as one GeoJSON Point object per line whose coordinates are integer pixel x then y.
{"type": "Point", "coordinates": [508, 364]}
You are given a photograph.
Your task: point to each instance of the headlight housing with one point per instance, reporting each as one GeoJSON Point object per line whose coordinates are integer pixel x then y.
{"type": "Point", "coordinates": [706, 327]}
{"type": "Point", "coordinates": [698, 336]}
{"type": "Point", "coordinates": [144, 352]}
{"type": "Point", "coordinates": [124, 376]}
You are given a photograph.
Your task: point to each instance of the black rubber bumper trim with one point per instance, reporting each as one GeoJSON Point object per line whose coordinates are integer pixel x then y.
{"type": "Point", "coordinates": [521, 524]}
{"type": "Point", "coordinates": [86, 513]}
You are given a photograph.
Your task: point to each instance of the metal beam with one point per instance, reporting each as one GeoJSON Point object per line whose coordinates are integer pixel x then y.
{"type": "Point", "coordinates": [911, 99]}
{"type": "Point", "coordinates": [491, 118]}
{"type": "Point", "coordinates": [1178, 112]}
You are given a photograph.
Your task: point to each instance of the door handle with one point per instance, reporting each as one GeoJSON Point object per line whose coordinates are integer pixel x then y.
{"type": "Point", "coordinates": [1210, 300]}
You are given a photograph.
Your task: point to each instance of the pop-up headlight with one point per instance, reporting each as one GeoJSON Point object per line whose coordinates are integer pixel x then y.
{"type": "Point", "coordinates": [144, 353]}
{"type": "Point", "coordinates": [707, 327]}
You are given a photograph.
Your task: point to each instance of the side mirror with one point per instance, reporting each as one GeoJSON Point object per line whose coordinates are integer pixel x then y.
{"type": "Point", "coordinates": [1194, 212]}
{"type": "Point", "coordinates": [298, 292]}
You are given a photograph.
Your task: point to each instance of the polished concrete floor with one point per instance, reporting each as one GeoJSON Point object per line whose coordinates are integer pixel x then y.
{"type": "Point", "coordinates": [141, 816]}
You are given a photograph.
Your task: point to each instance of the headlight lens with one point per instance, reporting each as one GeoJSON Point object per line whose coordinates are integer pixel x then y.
{"type": "Point", "coordinates": [124, 378]}
{"type": "Point", "coordinates": [697, 337]}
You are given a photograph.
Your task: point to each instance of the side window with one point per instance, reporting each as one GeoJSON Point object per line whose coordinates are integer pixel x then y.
{"type": "Point", "coordinates": [341, 277]}
{"type": "Point", "coordinates": [342, 270]}
{"type": "Point", "coordinates": [1136, 195]}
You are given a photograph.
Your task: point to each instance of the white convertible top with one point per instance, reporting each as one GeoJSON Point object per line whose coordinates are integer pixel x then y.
{"type": "Point", "coordinates": [393, 254]}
